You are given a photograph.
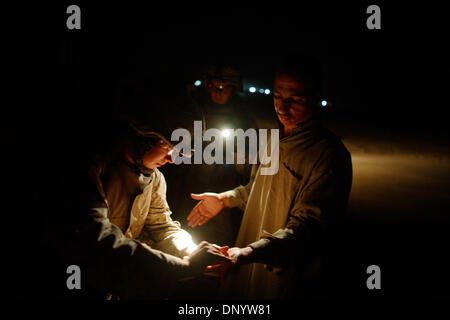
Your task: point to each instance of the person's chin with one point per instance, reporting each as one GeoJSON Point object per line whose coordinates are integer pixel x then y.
{"type": "Point", "coordinates": [152, 166]}
{"type": "Point", "coordinates": [220, 101]}
{"type": "Point", "coordinates": [285, 121]}
{"type": "Point", "coordinates": [159, 164]}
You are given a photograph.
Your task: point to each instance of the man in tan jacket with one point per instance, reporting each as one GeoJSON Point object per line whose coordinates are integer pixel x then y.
{"type": "Point", "coordinates": [124, 241]}
{"type": "Point", "coordinates": [289, 216]}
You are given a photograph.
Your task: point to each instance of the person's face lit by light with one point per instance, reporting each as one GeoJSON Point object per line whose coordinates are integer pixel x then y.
{"type": "Point", "coordinates": [290, 101]}
{"type": "Point", "coordinates": [158, 156]}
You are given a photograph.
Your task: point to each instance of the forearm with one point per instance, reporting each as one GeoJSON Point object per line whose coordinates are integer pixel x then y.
{"type": "Point", "coordinates": [287, 246]}
{"type": "Point", "coordinates": [236, 197]}
{"type": "Point", "coordinates": [171, 240]}
{"type": "Point", "coordinates": [224, 198]}
{"type": "Point", "coordinates": [125, 267]}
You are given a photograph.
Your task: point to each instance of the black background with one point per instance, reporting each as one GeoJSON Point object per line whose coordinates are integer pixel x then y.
{"type": "Point", "coordinates": [60, 87]}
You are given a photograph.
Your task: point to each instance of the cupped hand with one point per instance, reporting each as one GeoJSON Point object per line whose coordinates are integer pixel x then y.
{"type": "Point", "coordinates": [207, 255]}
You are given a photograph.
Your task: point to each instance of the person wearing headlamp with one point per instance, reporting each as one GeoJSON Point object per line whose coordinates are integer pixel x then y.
{"type": "Point", "coordinates": [126, 243]}
{"type": "Point", "coordinates": [219, 105]}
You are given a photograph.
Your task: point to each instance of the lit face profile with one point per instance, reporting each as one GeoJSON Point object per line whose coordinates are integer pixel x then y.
{"type": "Point", "coordinates": [158, 156]}
{"type": "Point", "coordinates": [290, 101]}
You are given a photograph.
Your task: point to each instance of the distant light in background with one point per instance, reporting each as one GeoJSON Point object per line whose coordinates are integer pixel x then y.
{"type": "Point", "coordinates": [267, 91]}
{"type": "Point", "coordinates": [197, 83]}
{"type": "Point", "coordinates": [324, 103]}
{"type": "Point", "coordinates": [252, 89]}
{"type": "Point", "coordinates": [226, 133]}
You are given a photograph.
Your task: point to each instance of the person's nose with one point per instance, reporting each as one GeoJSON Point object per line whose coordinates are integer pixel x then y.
{"type": "Point", "coordinates": [168, 157]}
{"type": "Point", "coordinates": [283, 106]}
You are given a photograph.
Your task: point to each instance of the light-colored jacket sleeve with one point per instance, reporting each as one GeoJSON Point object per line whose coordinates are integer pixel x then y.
{"type": "Point", "coordinates": [160, 231]}
{"type": "Point", "coordinates": [114, 263]}
{"type": "Point", "coordinates": [238, 196]}
{"type": "Point", "coordinates": [317, 206]}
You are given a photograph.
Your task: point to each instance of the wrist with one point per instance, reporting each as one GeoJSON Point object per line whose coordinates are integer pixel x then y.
{"type": "Point", "coordinates": [223, 197]}
{"type": "Point", "coordinates": [225, 201]}
{"type": "Point", "coordinates": [246, 255]}
{"type": "Point", "coordinates": [185, 262]}
{"type": "Point", "coordinates": [249, 251]}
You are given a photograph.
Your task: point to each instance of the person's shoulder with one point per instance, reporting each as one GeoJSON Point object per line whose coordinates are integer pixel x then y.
{"type": "Point", "coordinates": [159, 185]}
{"type": "Point", "coordinates": [332, 148]}
{"type": "Point", "coordinates": [157, 173]}
{"type": "Point", "coordinates": [321, 148]}
{"type": "Point", "coordinates": [328, 140]}
{"type": "Point", "coordinates": [158, 177]}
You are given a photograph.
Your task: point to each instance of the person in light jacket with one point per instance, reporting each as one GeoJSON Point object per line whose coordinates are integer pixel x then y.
{"type": "Point", "coordinates": [118, 227]}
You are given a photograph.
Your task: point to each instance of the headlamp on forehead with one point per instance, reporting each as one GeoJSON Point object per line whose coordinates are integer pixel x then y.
{"type": "Point", "coordinates": [146, 140]}
{"type": "Point", "coordinates": [218, 84]}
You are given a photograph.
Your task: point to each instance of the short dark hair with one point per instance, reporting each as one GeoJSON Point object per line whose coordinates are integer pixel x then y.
{"type": "Point", "coordinates": [305, 68]}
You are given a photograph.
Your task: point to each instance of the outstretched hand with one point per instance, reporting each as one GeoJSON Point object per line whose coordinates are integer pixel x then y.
{"type": "Point", "coordinates": [237, 256]}
{"type": "Point", "coordinates": [209, 206]}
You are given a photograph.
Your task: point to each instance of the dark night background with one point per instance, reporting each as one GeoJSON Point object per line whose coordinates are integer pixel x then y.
{"type": "Point", "coordinates": [388, 89]}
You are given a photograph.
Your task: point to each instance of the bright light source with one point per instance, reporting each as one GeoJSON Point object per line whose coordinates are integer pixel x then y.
{"type": "Point", "coordinates": [324, 103]}
{"type": "Point", "coordinates": [183, 242]}
{"type": "Point", "coordinates": [190, 248]}
{"type": "Point", "coordinates": [252, 89]}
{"type": "Point", "coordinates": [261, 90]}
{"type": "Point", "coordinates": [267, 91]}
{"type": "Point", "coordinates": [226, 132]}
{"type": "Point", "coordinates": [197, 83]}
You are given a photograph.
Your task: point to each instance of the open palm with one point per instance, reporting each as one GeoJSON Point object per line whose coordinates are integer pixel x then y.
{"type": "Point", "coordinates": [209, 206]}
